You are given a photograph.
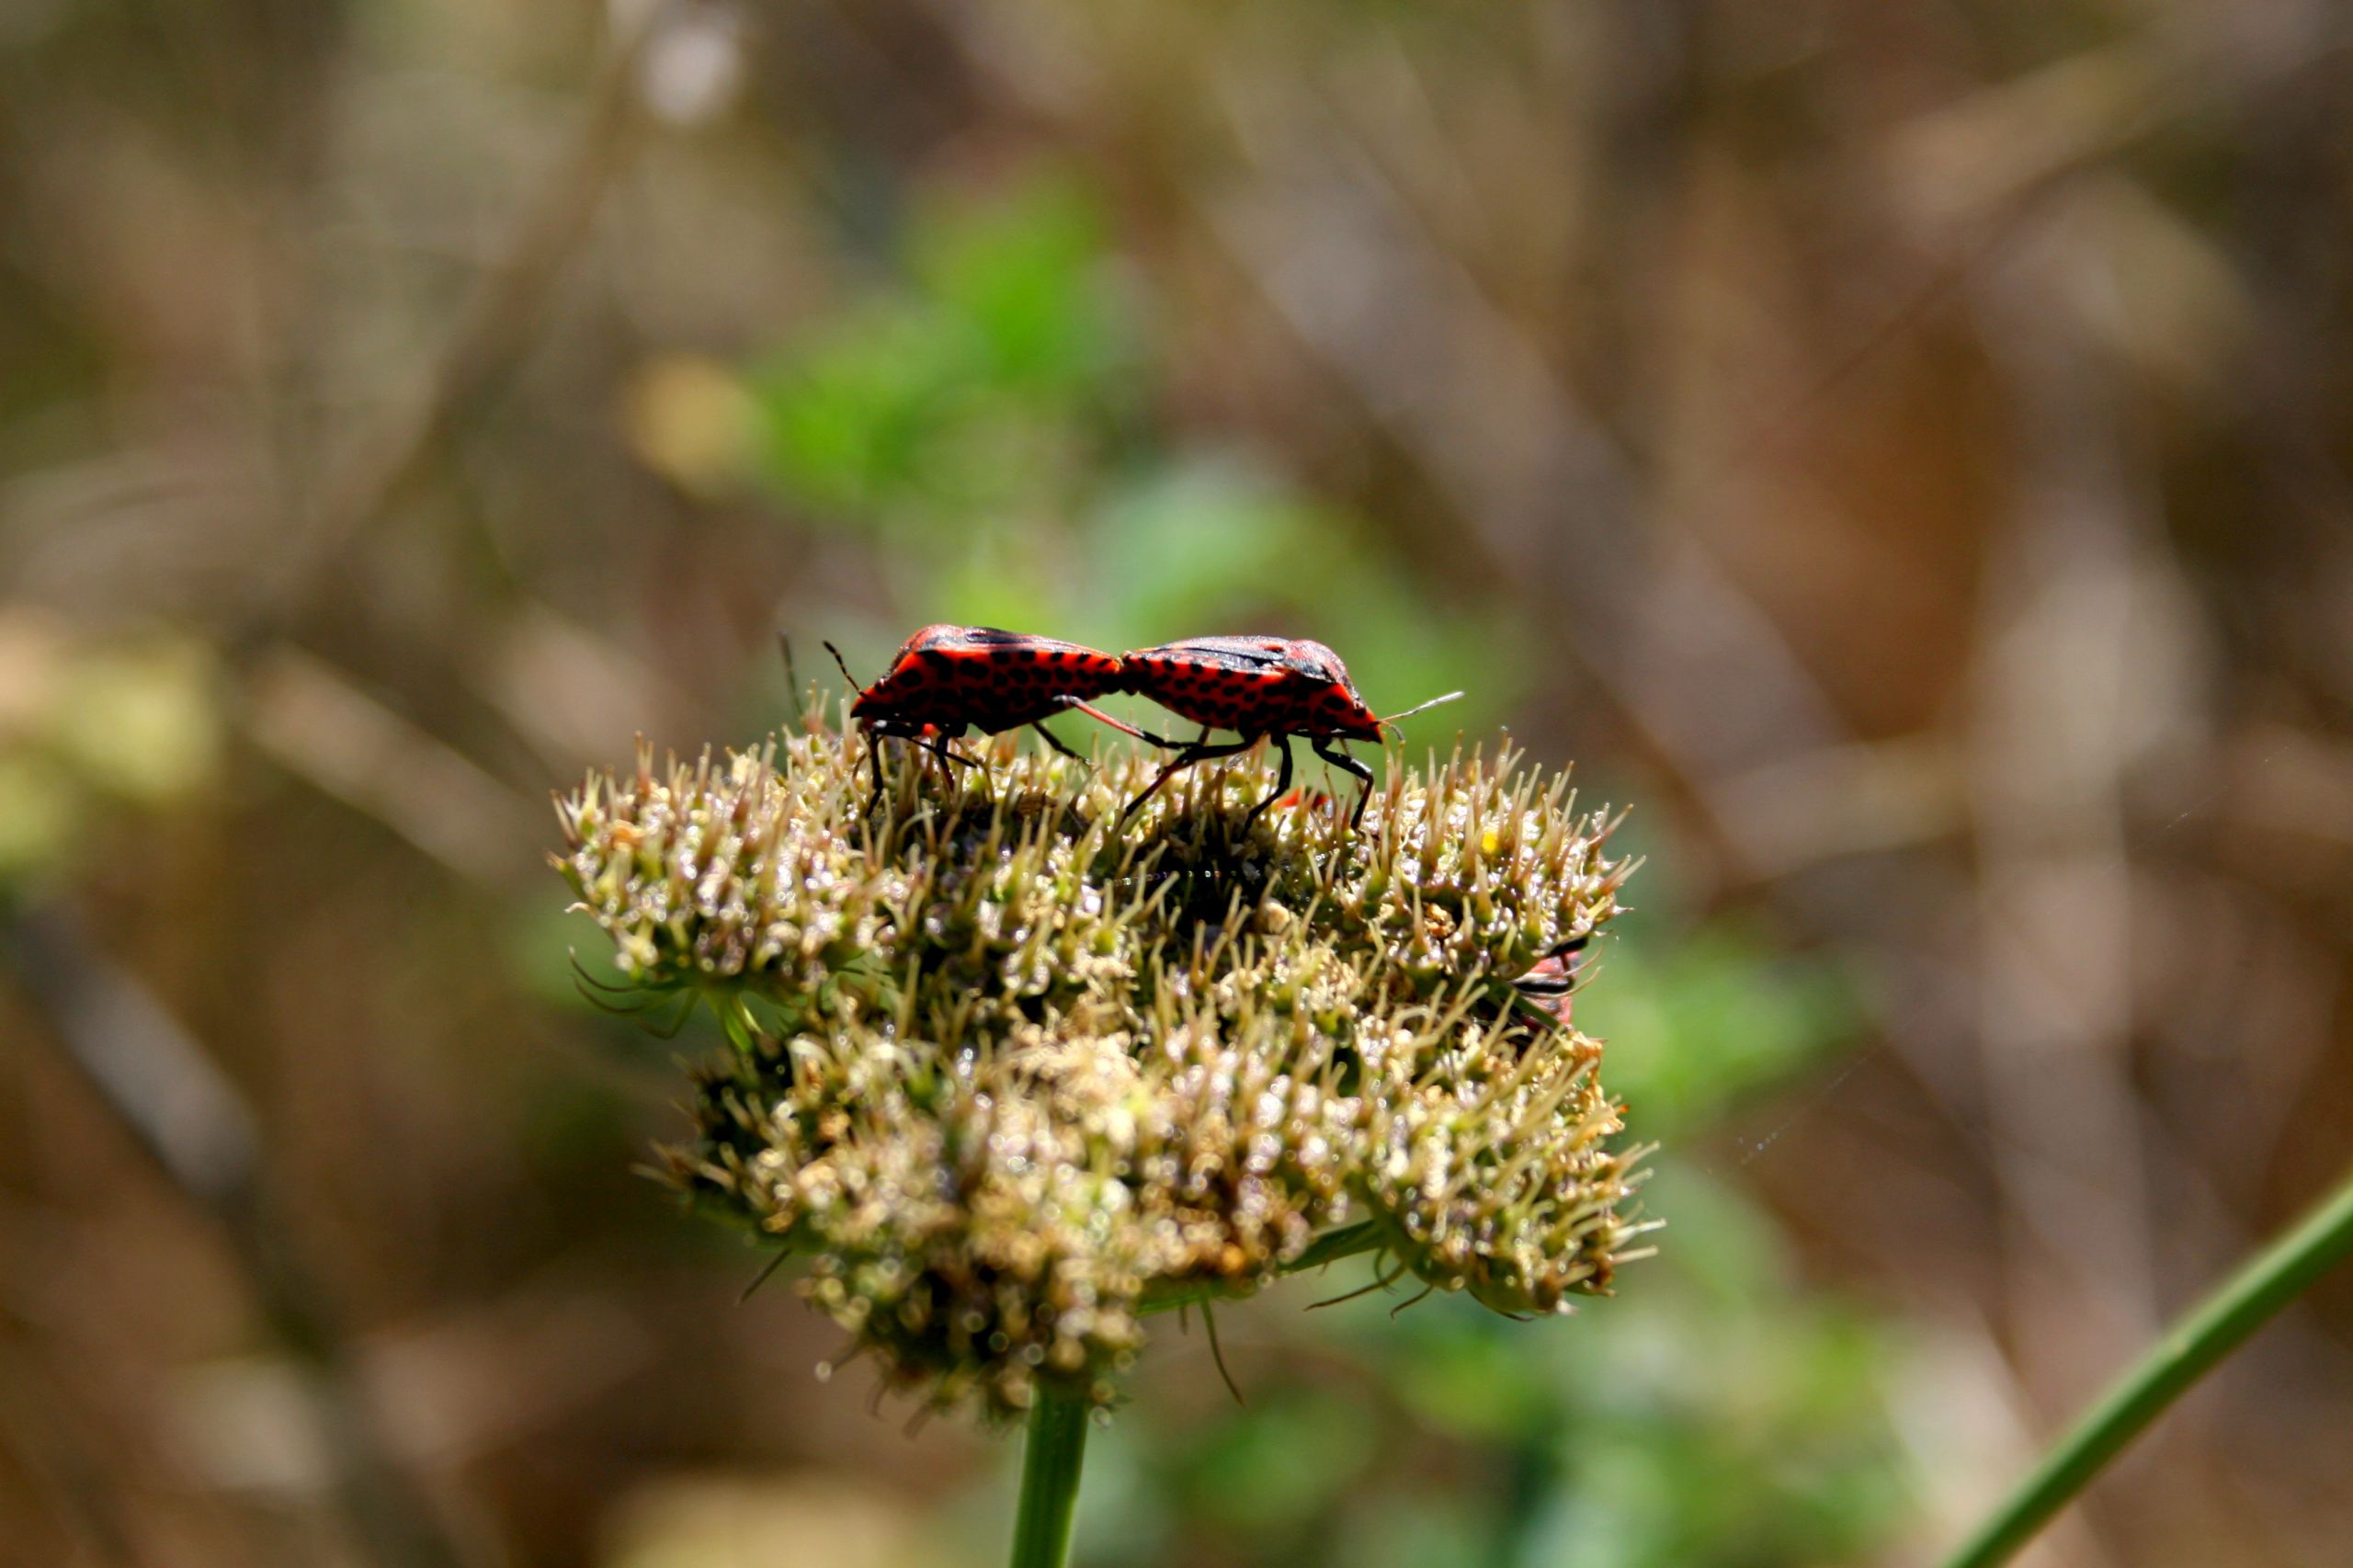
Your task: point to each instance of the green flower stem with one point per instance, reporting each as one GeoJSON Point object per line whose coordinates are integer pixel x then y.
{"type": "Point", "coordinates": [1057, 1442]}
{"type": "Point", "coordinates": [2219, 1325]}
{"type": "Point", "coordinates": [1329, 1247]}
{"type": "Point", "coordinates": [1050, 1457]}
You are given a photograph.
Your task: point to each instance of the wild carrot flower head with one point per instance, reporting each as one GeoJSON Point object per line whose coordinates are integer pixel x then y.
{"type": "Point", "coordinates": [1006, 1075]}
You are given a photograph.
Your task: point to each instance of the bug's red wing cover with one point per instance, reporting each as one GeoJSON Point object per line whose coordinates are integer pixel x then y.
{"type": "Point", "coordinates": [985, 676]}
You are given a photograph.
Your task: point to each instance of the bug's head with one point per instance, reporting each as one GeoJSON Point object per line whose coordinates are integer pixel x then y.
{"type": "Point", "coordinates": [1340, 709]}
{"type": "Point", "coordinates": [1341, 714]}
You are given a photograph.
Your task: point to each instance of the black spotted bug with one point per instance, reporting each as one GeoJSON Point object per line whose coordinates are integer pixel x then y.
{"type": "Point", "coordinates": [1260, 687]}
{"type": "Point", "coordinates": [947, 679]}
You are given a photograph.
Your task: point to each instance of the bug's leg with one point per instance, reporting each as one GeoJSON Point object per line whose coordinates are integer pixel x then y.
{"type": "Point", "coordinates": [1078, 705]}
{"type": "Point", "coordinates": [1282, 782]}
{"type": "Point", "coordinates": [873, 761]}
{"type": "Point", "coordinates": [1183, 759]}
{"type": "Point", "coordinates": [918, 740]}
{"type": "Point", "coordinates": [1055, 741]}
{"type": "Point", "coordinates": [938, 747]}
{"type": "Point", "coordinates": [1340, 759]}
{"type": "Point", "coordinates": [1200, 751]}
{"type": "Point", "coordinates": [947, 774]}
{"type": "Point", "coordinates": [979, 765]}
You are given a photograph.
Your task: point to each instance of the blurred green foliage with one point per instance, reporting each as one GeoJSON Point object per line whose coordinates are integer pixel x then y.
{"type": "Point", "coordinates": [1713, 1019]}
{"type": "Point", "coordinates": [989, 380]}
{"type": "Point", "coordinates": [985, 413]}
{"type": "Point", "coordinates": [90, 726]}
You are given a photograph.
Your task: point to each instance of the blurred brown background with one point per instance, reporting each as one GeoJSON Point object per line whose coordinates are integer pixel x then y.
{"type": "Point", "coordinates": [1901, 447]}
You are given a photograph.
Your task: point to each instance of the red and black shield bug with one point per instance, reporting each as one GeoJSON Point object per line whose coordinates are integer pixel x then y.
{"type": "Point", "coordinates": [947, 679]}
{"type": "Point", "coordinates": [1550, 982]}
{"type": "Point", "coordinates": [1258, 686]}
{"type": "Point", "coordinates": [1304, 799]}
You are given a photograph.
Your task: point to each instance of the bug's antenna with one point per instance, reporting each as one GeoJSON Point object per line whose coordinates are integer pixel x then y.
{"type": "Point", "coordinates": [853, 686]}
{"type": "Point", "coordinates": [1390, 721]}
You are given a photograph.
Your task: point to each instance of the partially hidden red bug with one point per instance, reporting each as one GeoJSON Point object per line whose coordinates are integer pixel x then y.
{"type": "Point", "coordinates": [947, 679]}
{"type": "Point", "coordinates": [1551, 983]}
{"type": "Point", "coordinates": [1258, 688]}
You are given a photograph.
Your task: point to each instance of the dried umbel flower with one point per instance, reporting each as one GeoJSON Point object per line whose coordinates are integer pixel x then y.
{"type": "Point", "coordinates": [1009, 1075]}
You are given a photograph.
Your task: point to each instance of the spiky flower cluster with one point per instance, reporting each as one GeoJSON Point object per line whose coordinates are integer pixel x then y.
{"type": "Point", "coordinates": [1008, 1075]}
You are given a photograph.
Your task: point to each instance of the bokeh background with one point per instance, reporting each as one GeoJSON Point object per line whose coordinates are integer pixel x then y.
{"type": "Point", "coordinates": [1899, 446]}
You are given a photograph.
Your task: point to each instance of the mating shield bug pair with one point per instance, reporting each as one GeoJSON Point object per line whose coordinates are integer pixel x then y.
{"type": "Point", "coordinates": [947, 678]}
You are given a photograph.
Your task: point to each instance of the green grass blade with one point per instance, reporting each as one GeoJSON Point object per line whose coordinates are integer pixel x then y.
{"type": "Point", "coordinates": [2219, 1325]}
